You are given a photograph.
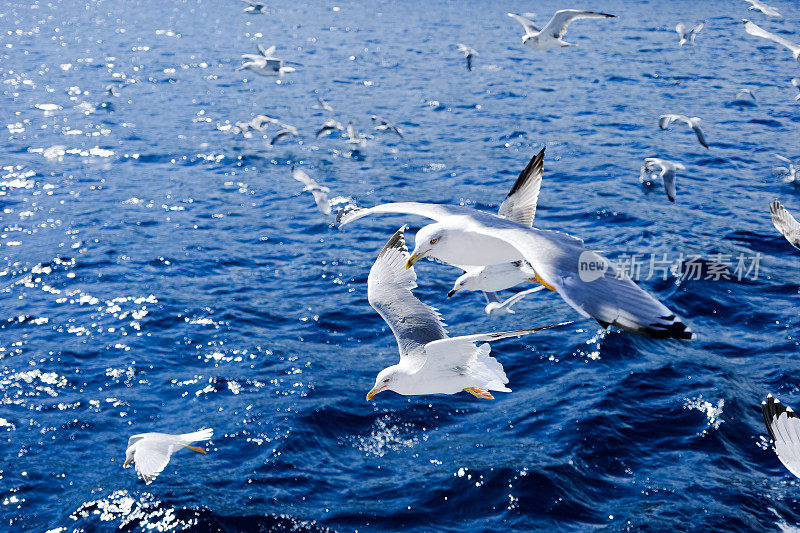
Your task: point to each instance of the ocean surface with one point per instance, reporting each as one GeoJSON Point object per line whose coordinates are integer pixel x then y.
{"type": "Point", "coordinates": [160, 273]}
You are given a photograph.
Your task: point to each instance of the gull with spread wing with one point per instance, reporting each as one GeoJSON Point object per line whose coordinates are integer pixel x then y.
{"type": "Point", "coordinates": [264, 63]}
{"type": "Point", "coordinates": [790, 173]}
{"type": "Point", "coordinates": [254, 8]}
{"type": "Point", "coordinates": [319, 191]}
{"type": "Point", "coordinates": [430, 361]}
{"type": "Point", "coordinates": [693, 122]}
{"type": "Point", "coordinates": [754, 29]}
{"type": "Point", "coordinates": [329, 126]}
{"type": "Point", "coordinates": [551, 36]}
{"type": "Point", "coordinates": [151, 451]}
{"type": "Point", "coordinates": [783, 426]}
{"type": "Point", "coordinates": [468, 52]}
{"type": "Point", "coordinates": [758, 5]}
{"type": "Point", "coordinates": [688, 36]}
{"type": "Point", "coordinates": [381, 124]}
{"type": "Point", "coordinates": [785, 223]}
{"type": "Point", "coordinates": [285, 132]}
{"type": "Point", "coordinates": [666, 171]}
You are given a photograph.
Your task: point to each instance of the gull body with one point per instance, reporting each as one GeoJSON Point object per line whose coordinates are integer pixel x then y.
{"type": "Point", "coordinates": [666, 171]}
{"type": "Point", "coordinates": [693, 122]}
{"type": "Point", "coordinates": [785, 223]}
{"type": "Point", "coordinates": [381, 124]}
{"type": "Point", "coordinates": [755, 29]}
{"type": "Point", "coordinates": [758, 5]}
{"type": "Point", "coordinates": [688, 36]}
{"type": "Point", "coordinates": [468, 52]}
{"type": "Point", "coordinates": [783, 426]}
{"type": "Point", "coordinates": [494, 278]}
{"type": "Point", "coordinates": [431, 362]}
{"type": "Point", "coordinates": [791, 173]}
{"type": "Point", "coordinates": [328, 127]}
{"type": "Point", "coordinates": [264, 63]}
{"type": "Point", "coordinates": [551, 36]}
{"type": "Point", "coordinates": [151, 451]}
{"type": "Point", "coordinates": [319, 191]}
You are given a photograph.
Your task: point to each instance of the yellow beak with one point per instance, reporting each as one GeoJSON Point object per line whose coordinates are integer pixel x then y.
{"type": "Point", "coordinates": [127, 463]}
{"type": "Point", "coordinates": [373, 392]}
{"type": "Point", "coordinates": [416, 256]}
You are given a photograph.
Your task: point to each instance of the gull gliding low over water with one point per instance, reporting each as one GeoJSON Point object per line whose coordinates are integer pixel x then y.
{"type": "Point", "coordinates": [151, 451]}
{"type": "Point", "coordinates": [785, 223]}
{"type": "Point", "coordinates": [586, 281]}
{"type": "Point", "coordinates": [430, 361]}
{"type": "Point", "coordinates": [693, 122]}
{"type": "Point", "coordinates": [755, 29]}
{"type": "Point", "coordinates": [319, 191]}
{"type": "Point", "coordinates": [551, 36]}
{"type": "Point", "coordinates": [666, 171]}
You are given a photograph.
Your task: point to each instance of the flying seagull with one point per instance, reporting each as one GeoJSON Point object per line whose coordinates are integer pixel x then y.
{"type": "Point", "coordinates": [586, 281]}
{"type": "Point", "coordinates": [319, 192]}
{"type": "Point", "coordinates": [264, 63]}
{"type": "Point", "coordinates": [783, 426]}
{"type": "Point", "coordinates": [468, 52]}
{"type": "Point", "coordinates": [151, 451]}
{"type": "Point", "coordinates": [328, 127]}
{"type": "Point", "coordinates": [688, 36]}
{"type": "Point", "coordinates": [353, 137]}
{"type": "Point", "coordinates": [666, 171]}
{"type": "Point", "coordinates": [785, 223]}
{"type": "Point", "coordinates": [430, 361]}
{"type": "Point", "coordinates": [112, 89]}
{"type": "Point", "coordinates": [551, 36]}
{"type": "Point", "coordinates": [259, 122]}
{"type": "Point", "coordinates": [381, 124]}
{"type": "Point", "coordinates": [758, 5]}
{"type": "Point", "coordinates": [255, 8]}
{"type": "Point", "coordinates": [754, 29]}
{"type": "Point", "coordinates": [742, 93]}
{"type": "Point", "coordinates": [322, 104]}
{"type": "Point", "coordinates": [693, 122]}
{"type": "Point", "coordinates": [791, 173]}
{"type": "Point", "coordinates": [286, 131]}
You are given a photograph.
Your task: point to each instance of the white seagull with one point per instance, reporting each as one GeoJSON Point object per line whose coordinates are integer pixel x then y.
{"type": "Point", "coordinates": [151, 451]}
{"type": "Point", "coordinates": [758, 5]}
{"type": "Point", "coordinates": [112, 89]}
{"type": "Point", "coordinates": [688, 36]}
{"type": "Point", "coordinates": [754, 29]}
{"type": "Point", "coordinates": [319, 191]}
{"type": "Point", "coordinates": [255, 8]}
{"type": "Point", "coordinates": [551, 36]}
{"type": "Point", "coordinates": [586, 281]}
{"type": "Point", "coordinates": [742, 93]}
{"type": "Point", "coordinates": [259, 122]}
{"type": "Point", "coordinates": [322, 104]}
{"type": "Point", "coordinates": [286, 131]}
{"type": "Point", "coordinates": [381, 124]}
{"type": "Point", "coordinates": [783, 426]}
{"type": "Point", "coordinates": [328, 127]}
{"type": "Point", "coordinates": [495, 306]}
{"type": "Point", "coordinates": [468, 52]}
{"type": "Point", "coordinates": [430, 361]}
{"type": "Point", "coordinates": [264, 63]}
{"type": "Point", "coordinates": [791, 173]}
{"type": "Point", "coordinates": [666, 171]}
{"type": "Point", "coordinates": [785, 223]}
{"type": "Point", "coordinates": [355, 138]}
{"type": "Point", "coordinates": [692, 122]}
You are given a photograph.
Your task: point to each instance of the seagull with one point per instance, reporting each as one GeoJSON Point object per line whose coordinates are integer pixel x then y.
{"type": "Point", "coordinates": [741, 93]}
{"type": "Point", "coordinates": [754, 29]}
{"type": "Point", "coordinates": [468, 54]}
{"type": "Point", "coordinates": [151, 451]}
{"type": "Point", "coordinates": [791, 173]}
{"type": "Point", "coordinates": [495, 306]}
{"type": "Point", "coordinates": [785, 223]}
{"type": "Point", "coordinates": [112, 90]}
{"type": "Point", "coordinates": [666, 171]}
{"type": "Point", "coordinates": [353, 137]}
{"type": "Point", "coordinates": [551, 35]}
{"type": "Point", "coordinates": [796, 83]}
{"type": "Point", "coordinates": [586, 281]}
{"type": "Point", "coordinates": [264, 63]}
{"type": "Point", "coordinates": [764, 8]}
{"type": "Point", "coordinates": [255, 8]}
{"type": "Point", "coordinates": [385, 125]}
{"type": "Point", "coordinates": [322, 104]}
{"type": "Point", "coordinates": [328, 127]}
{"type": "Point", "coordinates": [430, 361]}
{"type": "Point", "coordinates": [319, 192]}
{"type": "Point", "coordinates": [286, 131]}
{"type": "Point", "coordinates": [783, 426]}
{"type": "Point", "coordinates": [259, 122]}
{"type": "Point", "coordinates": [688, 36]}
{"type": "Point", "coordinates": [693, 122]}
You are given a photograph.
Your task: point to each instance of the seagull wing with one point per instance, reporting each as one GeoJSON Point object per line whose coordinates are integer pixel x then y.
{"type": "Point", "coordinates": [557, 27]}
{"type": "Point", "coordinates": [782, 158]}
{"type": "Point", "coordinates": [301, 176]}
{"type": "Point", "coordinates": [152, 454]}
{"type": "Point", "coordinates": [432, 211]}
{"type": "Point", "coordinates": [666, 120]}
{"type": "Point", "coordinates": [681, 29]}
{"type": "Point", "coordinates": [695, 124]}
{"type": "Point", "coordinates": [520, 204]}
{"type": "Point", "coordinates": [389, 287]}
{"type": "Point", "coordinates": [754, 29]}
{"type": "Point", "coordinates": [783, 426]}
{"type": "Point", "coordinates": [668, 176]}
{"type": "Point", "coordinates": [695, 30]}
{"type": "Point", "coordinates": [323, 204]}
{"type": "Point", "coordinates": [530, 27]}
{"type": "Point", "coordinates": [785, 223]}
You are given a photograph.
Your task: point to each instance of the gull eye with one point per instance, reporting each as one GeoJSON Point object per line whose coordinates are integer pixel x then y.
{"type": "Point", "coordinates": [386, 380]}
{"type": "Point", "coordinates": [434, 241]}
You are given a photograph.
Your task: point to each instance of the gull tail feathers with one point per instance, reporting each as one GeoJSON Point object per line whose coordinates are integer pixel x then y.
{"type": "Point", "coordinates": [201, 434]}
{"type": "Point", "coordinates": [489, 369]}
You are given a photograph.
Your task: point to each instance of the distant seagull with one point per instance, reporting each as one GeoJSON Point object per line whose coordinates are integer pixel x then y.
{"type": "Point", "coordinates": [688, 36]}
{"type": "Point", "coordinates": [259, 122]}
{"type": "Point", "coordinates": [319, 192]}
{"type": "Point", "coordinates": [551, 35]}
{"type": "Point", "coordinates": [783, 426]}
{"type": "Point", "coordinates": [322, 104]}
{"type": "Point", "coordinates": [785, 223]}
{"type": "Point", "coordinates": [495, 306]}
{"type": "Point", "coordinates": [329, 126]}
{"type": "Point", "coordinates": [151, 451]}
{"type": "Point", "coordinates": [693, 122]}
{"type": "Point", "coordinates": [385, 125]}
{"type": "Point", "coordinates": [754, 29]}
{"type": "Point", "coordinates": [264, 63]}
{"type": "Point", "coordinates": [468, 54]}
{"type": "Point", "coordinates": [741, 93]}
{"type": "Point", "coordinates": [666, 171]}
{"type": "Point", "coordinates": [112, 90]}
{"type": "Point", "coordinates": [255, 8]}
{"type": "Point", "coordinates": [353, 137]}
{"type": "Point", "coordinates": [758, 5]}
{"type": "Point", "coordinates": [796, 83]}
{"type": "Point", "coordinates": [791, 172]}
{"type": "Point", "coordinates": [286, 131]}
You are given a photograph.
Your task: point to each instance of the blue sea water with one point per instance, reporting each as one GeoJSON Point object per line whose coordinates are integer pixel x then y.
{"type": "Point", "coordinates": [160, 273]}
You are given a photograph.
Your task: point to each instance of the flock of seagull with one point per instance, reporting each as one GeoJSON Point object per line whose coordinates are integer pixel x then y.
{"type": "Point", "coordinates": [496, 251]}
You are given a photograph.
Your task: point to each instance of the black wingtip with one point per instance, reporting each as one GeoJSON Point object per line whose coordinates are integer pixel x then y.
{"type": "Point", "coordinates": [397, 242]}
{"type": "Point", "coordinates": [535, 165]}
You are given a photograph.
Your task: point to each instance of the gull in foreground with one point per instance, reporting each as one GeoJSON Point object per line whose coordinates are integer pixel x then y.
{"type": "Point", "coordinates": [586, 281]}
{"type": "Point", "coordinates": [286, 131]}
{"type": "Point", "coordinates": [688, 36]}
{"type": "Point", "coordinates": [783, 426]}
{"type": "Point", "coordinates": [495, 306]}
{"type": "Point", "coordinates": [666, 171]}
{"type": "Point", "coordinates": [758, 5]}
{"type": "Point", "coordinates": [785, 223]}
{"type": "Point", "coordinates": [468, 52]}
{"type": "Point", "coordinates": [319, 192]}
{"type": "Point", "coordinates": [791, 173]}
{"type": "Point", "coordinates": [255, 8]}
{"type": "Point", "coordinates": [381, 124]}
{"type": "Point", "coordinates": [693, 122]}
{"type": "Point", "coordinates": [328, 127]}
{"type": "Point", "coordinates": [551, 36]}
{"type": "Point", "coordinates": [151, 451]}
{"type": "Point", "coordinates": [754, 29]}
{"type": "Point", "coordinates": [430, 361]}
